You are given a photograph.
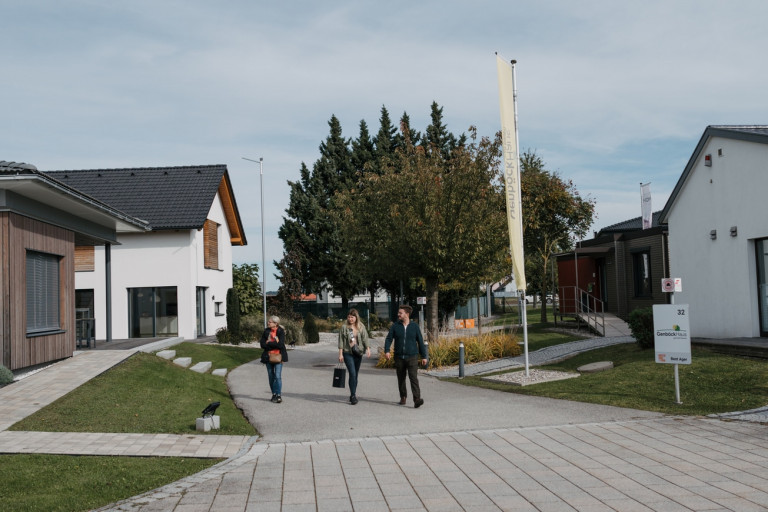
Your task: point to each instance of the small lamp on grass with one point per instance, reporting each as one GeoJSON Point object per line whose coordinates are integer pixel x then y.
{"type": "Point", "coordinates": [209, 421]}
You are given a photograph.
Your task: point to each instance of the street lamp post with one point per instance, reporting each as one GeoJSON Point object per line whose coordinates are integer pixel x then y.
{"type": "Point", "coordinates": [260, 161]}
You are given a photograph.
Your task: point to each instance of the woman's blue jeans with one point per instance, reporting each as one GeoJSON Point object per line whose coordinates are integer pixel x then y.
{"type": "Point", "coordinates": [275, 372]}
{"type": "Point", "coordinates": [353, 368]}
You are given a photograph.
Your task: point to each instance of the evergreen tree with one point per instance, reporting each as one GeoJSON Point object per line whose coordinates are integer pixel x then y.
{"type": "Point", "coordinates": [363, 152]}
{"type": "Point", "coordinates": [233, 316]}
{"type": "Point", "coordinates": [387, 139]}
{"type": "Point", "coordinates": [313, 225]}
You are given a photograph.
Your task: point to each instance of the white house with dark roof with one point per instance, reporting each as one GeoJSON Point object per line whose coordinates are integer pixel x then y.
{"type": "Point", "coordinates": [718, 226]}
{"type": "Point", "coordinates": [173, 279]}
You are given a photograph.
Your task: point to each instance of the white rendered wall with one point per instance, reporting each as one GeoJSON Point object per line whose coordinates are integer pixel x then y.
{"type": "Point", "coordinates": [719, 276]}
{"type": "Point", "coordinates": [162, 259]}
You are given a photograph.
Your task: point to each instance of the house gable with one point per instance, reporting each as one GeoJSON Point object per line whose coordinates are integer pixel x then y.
{"type": "Point", "coordinates": [746, 133]}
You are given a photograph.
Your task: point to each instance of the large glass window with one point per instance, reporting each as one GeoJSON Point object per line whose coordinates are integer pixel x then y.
{"type": "Point", "coordinates": [43, 300]}
{"type": "Point", "coordinates": [641, 267]}
{"type": "Point", "coordinates": [761, 246]}
{"type": "Point", "coordinates": [153, 312]}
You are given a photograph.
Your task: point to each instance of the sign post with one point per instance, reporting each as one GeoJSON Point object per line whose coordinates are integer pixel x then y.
{"type": "Point", "coordinates": [672, 337]}
{"type": "Point", "coordinates": [421, 301]}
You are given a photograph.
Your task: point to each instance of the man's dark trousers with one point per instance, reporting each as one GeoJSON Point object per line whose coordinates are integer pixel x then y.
{"type": "Point", "coordinates": [410, 366]}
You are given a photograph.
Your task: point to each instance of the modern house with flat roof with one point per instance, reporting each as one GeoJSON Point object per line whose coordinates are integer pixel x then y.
{"type": "Point", "coordinates": [42, 220]}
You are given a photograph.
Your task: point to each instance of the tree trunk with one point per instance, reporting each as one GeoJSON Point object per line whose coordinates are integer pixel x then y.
{"type": "Point", "coordinates": [544, 290]}
{"type": "Point", "coordinates": [432, 316]}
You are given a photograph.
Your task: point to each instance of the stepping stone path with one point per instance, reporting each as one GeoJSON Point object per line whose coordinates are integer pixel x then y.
{"type": "Point", "coordinates": [201, 367]}
{"type": "Point", "coordinates": [184, 362]}
{"type": "Point", "coordinates": [598, 366]}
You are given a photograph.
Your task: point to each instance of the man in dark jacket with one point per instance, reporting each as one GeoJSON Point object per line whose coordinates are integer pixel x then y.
{"type": "Point", "coordinates": [409, 345]}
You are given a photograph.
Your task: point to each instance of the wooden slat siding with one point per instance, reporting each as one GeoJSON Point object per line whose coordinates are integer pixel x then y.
{"type": "Point", "coordinates": [211, 242]}
{"type": "Point", "coordinates": [28, 234]}
{"type": "Point", "coordinates": [5, 312]}
{"type": "Point", "coordinates": [85, 258]}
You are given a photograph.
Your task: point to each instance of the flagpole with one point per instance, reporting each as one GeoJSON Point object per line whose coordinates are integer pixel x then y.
{"type": "Point", "coordinates": [520, 219]}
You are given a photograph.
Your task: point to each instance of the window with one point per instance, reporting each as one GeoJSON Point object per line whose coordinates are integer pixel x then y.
{"type": "Point", "coordinates": [152, 312]}
{"type": "Point", "coordinates": [218, 311]}
{"type": "Point", "coordinates": [43, 308]}
{"type": "Point", "coordinates": [211, 245]}
{"type": "Point", "coordinates": [641, 267]}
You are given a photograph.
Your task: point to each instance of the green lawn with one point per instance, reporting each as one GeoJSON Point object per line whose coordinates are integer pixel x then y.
{"type": "Point", "coordinates": [64, 483]}
{"type": "Point", "coordinates": [148, 394]}
{"type": "Point", "coordinates": [713, 383]}
{"type": "Point", "coordinates": [143, 394]}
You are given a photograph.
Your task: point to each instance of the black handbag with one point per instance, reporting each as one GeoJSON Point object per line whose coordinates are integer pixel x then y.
{"type": "Point", "coordinates": [339, 376]}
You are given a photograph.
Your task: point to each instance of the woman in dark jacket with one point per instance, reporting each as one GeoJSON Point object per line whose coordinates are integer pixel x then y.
{"type": "Point", "coordinates": [273, 345]}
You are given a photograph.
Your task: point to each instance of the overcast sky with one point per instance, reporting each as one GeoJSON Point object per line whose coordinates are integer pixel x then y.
{"type": "Point", "coordinates": [610, 93]}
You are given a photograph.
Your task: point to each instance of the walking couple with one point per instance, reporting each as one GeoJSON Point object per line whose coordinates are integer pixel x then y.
{"type": "Point", "coordinates": [409, 345]}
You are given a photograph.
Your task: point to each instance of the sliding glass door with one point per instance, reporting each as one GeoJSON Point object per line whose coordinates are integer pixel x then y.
{"type": "Point", "coordinates": [153, 312]}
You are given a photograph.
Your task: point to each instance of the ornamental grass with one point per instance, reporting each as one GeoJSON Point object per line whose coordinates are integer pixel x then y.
{"type": "Point", "coordinates": [477, 348]}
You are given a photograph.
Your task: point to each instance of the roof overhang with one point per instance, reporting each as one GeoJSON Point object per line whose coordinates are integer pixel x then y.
{"type": "Point", "coordinates": [231, 213]}
{"type": "Point", "coordinates": [35, 195]}
{"type": "Point", "coordinates": [585, 251]}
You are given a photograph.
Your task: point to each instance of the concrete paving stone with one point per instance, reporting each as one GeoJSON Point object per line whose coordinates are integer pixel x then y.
{"type": "Point", "coordinates": [292, 497]}
{"type": "Point", "coordinates": [271, 494]}
{"type": "Point", "coordinates": [442, 505]}
{"type": "Point", "coordinates": [334, 505]}
{"type": "Point", "coordinates": [473, 500]}
{"type": "Point", "coordinates": [266, 506]}
{"type": "Point", "coordinates": [365, 494]}
{"type": "Point", "coordinates": [515, 503]}
{"type": "Point", "coordinates": [628, 505]}
{"type": "Point", "coordinates": [323, 480]}
{"type": "Point", "coordinates": [403, 501]}
{"type": "Point", "coordinates": [299, 507]}
{"type": "Point", "coordinates": [236, 501]}
{"type": "Point", "coordinates": [371, 506]}
{"type": "Point", "coordinates": [333, 492]}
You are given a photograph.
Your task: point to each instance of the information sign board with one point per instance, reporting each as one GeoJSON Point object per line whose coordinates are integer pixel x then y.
{"type": "Point", "coordinates": [672, 333]}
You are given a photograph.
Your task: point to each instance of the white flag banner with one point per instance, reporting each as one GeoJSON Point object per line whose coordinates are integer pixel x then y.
{"type": "Point", "coordinates": [645, 205]}
{"type": "Point", "coordinates": [511, 168]}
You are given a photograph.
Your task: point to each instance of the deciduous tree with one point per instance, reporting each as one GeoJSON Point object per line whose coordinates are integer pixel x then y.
{"type": "Point", "coordinates": [554, 216]}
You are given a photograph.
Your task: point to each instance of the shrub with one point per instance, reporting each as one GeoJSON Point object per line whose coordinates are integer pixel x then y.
{"type": "Point", "coordinates": [294, 333]}
{"type": "Point", "coordinates": [641, 325]}
{"type": "Point", "coordinates": [6, 376]}
{"type": "Point", "coordinates": [328, 324]}
{"type": "Point", "coordinates": [233, 315]}
{"type": "Point", "coordinates": [379, 324]}
{"type": "Point", "coordinates": [251, 327]}
{"type": "Point", "coordinates": [311, 333]}
{"type": "Point", "coordinates": [223, 336]}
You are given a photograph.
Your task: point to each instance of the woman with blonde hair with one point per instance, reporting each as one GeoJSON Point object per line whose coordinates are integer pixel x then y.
{"type": "Point", "coordinates": [353, 343]}
{"type": "Point", "coordinates": [274, 355]}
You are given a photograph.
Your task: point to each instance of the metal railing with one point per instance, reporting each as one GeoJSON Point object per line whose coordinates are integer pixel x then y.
{"type": "Point", "coordinates": [584, 306]}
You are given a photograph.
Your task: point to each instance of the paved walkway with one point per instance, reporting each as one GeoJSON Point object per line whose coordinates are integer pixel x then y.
{"type": "Point", "coordinates": [465, 449]}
